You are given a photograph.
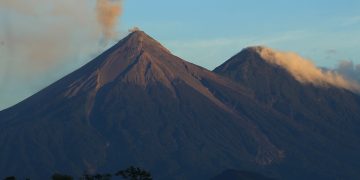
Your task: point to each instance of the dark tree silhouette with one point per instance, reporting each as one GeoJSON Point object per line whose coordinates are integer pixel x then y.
{"type": "Point", "coordinates": [57, 176]}
{"type": "Point", "coordinates": [10, 178]}
{"type": "Point", "coordinates": [131, 173]}
{"type": "Point", "coordinates": [87, 176]}
{"type": "Point", "coordinates": [134, 173]}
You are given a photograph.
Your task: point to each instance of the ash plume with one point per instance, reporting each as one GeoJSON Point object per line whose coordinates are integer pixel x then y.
{"type": "Point", "coordinates": [108, 13]}
{"type": "Point", "coordinates": [42, 40]}
{"type": "Point", "coordinates": [305, 71]}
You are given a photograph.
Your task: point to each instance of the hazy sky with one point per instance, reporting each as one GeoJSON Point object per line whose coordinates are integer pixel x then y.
{"type": "Point", "coordinates": [205, 32]}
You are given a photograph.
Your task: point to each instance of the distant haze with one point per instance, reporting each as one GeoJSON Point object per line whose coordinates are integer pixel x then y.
{"type": "Point", "coordinates": [39, 37]}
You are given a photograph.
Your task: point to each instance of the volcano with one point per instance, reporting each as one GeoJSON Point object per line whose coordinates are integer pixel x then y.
{"type": "Point", "coordinates": [138, 104]}
{"type": "Point", "coordinates": [135, 104]}
{"type": "Point", "coordinates": [327, 117]}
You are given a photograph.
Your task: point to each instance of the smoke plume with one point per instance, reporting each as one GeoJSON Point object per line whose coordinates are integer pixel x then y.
{"type": "Point", "coordinates": [42, 40]}
{"type": "Point", "coordinates": [305, 71]}
{"type": "Point", "coordinates": [108, 12]}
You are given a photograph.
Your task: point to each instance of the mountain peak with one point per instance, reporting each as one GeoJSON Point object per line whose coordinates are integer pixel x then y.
{"type": "Point", "coordinates": [140, 60]}
{"type": "Point", "coordinates": [265, 53]}
{"type": "Point", "coordinates": [260, 59]}
{"type": "Point", "coordinates": [257, 49]}
{"type": "Point", "coordinates": [255, 55]}
{"type": "Point", "coordinates": [136, 58]}
{"type": "Point", "coordinates": [139, 36]}
{"type": "Point", "coordinates": [142, 41]}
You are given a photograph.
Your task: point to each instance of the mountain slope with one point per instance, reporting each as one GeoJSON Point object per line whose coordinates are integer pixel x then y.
{"type": "Point", "coordinates": [137, 104]}
{"type": "Point", "coordinates": [327, 116]}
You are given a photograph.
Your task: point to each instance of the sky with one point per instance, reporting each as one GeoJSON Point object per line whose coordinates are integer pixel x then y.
{"type": "Point", "coordinates": [204, 32]}
{"type": "Point", "coordinates": [209, 32]}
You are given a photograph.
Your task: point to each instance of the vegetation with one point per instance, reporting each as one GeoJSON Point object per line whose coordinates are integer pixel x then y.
{"type": "Point", "coordinates": [87, 176]}
{"type": "Point", "coordinates": [134, 173]}
{"type": "Point", "coordinates": [131, 173]}
{"type": "Point", "coordinates": [57, 176]}
{"type": "Point", "coordinates": [10, 178]}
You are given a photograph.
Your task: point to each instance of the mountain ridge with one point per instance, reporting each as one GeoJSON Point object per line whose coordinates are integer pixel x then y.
{"type": "Point", "coordinates": [137, 104]}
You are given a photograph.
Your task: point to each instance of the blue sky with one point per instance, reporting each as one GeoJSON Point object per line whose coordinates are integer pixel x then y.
{"type": "Point", "coordinates": [209, 32]}
{"type": "Point", "coordinates": [205, 32]}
